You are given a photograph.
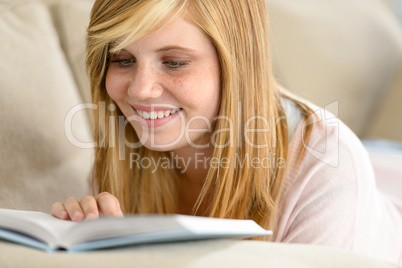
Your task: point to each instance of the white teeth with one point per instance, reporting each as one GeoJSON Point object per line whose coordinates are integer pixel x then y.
{"type": "Point", "coordinates": [154, 115]}
{"type": "Point", "coordinates": [145, 115]}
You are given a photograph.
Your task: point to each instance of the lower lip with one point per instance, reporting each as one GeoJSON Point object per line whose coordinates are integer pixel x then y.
{"type": "Point", "coordinates": [155, 123]}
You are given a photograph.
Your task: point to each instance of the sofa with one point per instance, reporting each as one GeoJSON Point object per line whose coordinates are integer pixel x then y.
{"type": "Point", "coordinates": [344, 55]}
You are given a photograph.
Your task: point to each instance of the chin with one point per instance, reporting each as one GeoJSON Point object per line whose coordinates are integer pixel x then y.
{"type": "Point", "coordinates": [162, 146]}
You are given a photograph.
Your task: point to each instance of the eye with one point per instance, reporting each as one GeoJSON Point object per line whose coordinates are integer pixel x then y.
{"type": "Point", "coordinates": [124, 62]}
{"type": "Point", "coordinates": [174, 65]}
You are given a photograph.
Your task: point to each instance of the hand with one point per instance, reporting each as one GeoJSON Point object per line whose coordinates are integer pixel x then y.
{"type": "Point", "coordinates": [89, 207]}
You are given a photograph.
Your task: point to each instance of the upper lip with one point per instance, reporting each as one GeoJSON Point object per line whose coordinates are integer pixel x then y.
{"type": "Point", "coordinates": [154, 107]}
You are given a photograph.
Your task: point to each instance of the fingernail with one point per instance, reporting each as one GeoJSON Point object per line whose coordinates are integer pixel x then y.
{"type": "Point", "coordinates": [78, 216]}
{"type": "Point", "coordinates": [62, 214]}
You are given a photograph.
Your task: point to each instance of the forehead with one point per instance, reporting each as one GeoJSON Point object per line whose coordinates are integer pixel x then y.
{"type": "Point", "coordinates": [140, 19]}
{"type": "Point", "coordinates": [176, 33]}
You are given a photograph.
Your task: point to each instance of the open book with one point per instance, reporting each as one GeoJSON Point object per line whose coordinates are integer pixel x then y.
{"type": "Point", "coordinates": [42, 231]}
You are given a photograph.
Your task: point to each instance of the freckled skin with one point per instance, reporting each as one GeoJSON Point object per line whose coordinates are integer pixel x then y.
{"type": "Point", "coordinates": [194, 86]}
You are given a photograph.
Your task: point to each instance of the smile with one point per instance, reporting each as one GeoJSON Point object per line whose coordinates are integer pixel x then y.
{"type": "Point", "coordinates": [156, 114]}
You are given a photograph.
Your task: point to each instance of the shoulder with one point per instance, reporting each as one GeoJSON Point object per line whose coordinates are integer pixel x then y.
{"type": "Point", "coordinates": [333, 171]}
{"type": "Point", "coordinates": [330, 145]}
{"type": "Point", "coordinates": [332, 152]}
{"type": "Point", "coordinates": [330, 197]}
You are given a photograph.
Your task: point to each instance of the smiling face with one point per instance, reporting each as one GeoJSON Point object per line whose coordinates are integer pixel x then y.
{"type": "Point", "coordinates": [168, 85]}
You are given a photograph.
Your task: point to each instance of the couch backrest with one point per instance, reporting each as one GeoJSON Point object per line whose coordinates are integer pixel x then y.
{"type": "Point", "coordinates": [38, 164]}
{"type": "Point", "coordinates": [337, 51]}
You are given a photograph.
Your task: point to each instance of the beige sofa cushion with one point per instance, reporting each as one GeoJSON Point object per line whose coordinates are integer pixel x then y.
{"type": "Point", "coordinates": [220, 253]}
{"type": "Point", "coordinates": [328, 51]}
{"type": "Point", "coordinates": [387, 120]}
{"type": "Point", "coordinates": [71, 19]}
{"type": "Point", "coordinates": [38, 164]}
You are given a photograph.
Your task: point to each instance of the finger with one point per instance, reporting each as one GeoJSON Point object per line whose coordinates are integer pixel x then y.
{"type": "Point", "coordinates": [90, 207]}
{"type": "Point", "coordinates": [74, 209]}
{"type": "Point", "coordinates": [59, 211]}
{"type": "Point", "coordinates": [108, 205]}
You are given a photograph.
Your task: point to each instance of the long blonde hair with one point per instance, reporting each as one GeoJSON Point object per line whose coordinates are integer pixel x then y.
{"type": "Point", "coordinates": [239, 31]}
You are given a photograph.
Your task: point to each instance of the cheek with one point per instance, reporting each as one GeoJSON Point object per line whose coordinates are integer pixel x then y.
{"type": "Point", "coordinates": [209, 91]}
{"type": "Point", "coordinates": [202, 87]}
{"type": "Point", "coordinates": [116, 87]}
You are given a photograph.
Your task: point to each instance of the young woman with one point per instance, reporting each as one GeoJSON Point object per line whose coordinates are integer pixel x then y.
{"type": "Point", "coordinates": [190, 120]}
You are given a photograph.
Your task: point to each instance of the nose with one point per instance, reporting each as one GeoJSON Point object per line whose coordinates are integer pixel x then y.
{"type": "Point", "coordinates": [145, 84]}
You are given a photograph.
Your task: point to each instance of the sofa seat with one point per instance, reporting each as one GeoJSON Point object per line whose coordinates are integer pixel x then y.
{"type": "Point", "coordinates": [217, 253]}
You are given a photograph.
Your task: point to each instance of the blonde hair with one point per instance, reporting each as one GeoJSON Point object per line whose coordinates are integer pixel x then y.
{"type": "Point", "coordinates": [239, 31]}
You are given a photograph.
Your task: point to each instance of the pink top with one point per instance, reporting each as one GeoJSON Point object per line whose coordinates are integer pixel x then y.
{"type": "Point", "coordinates": [331, 197]}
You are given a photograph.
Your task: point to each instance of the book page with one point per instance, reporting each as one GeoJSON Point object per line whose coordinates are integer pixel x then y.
{"type": "Point", "coordinates": [218, 226]}
{"type": "Point", "coordinates": [110, 227]}
{"type": "Point", "coordinates": [110, 231]}
{"type": "Point", "coordinates": [151, 228]}
{"type": "Point", "coordinates": [41, 226]}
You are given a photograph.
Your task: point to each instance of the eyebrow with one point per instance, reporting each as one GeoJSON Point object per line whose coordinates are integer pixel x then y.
{"type": "Point", "coordinates": [163, 49]}
{"type": "Point", "coordinates": [167, 48]}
